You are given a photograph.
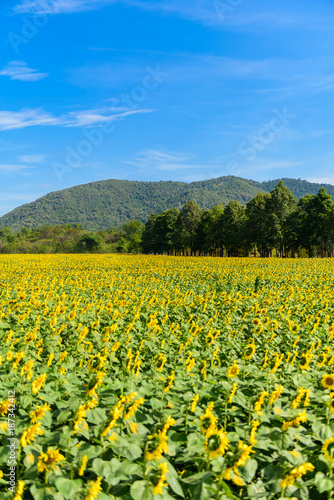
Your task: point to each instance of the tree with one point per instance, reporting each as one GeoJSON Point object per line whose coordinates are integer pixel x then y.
{"type": "Point", "coordinates": [258, 226]}
{"type": "Point", "coordinates": [89, 242]}
{"type": "Point", "coordinates": [133, 227]}
{"type": "Point", "coordinates": [132, 233]}
{"type": "Point", "coordinates": [207, 239]}
{"type": "Point", "coordinates": [186, 227]}
{"type": "Point", "coordinates": [299, 233]}
{"type": "Point", "coordinates": [319, 211]}
{"type": "Point", "coordinates": [149, 239]}
{"type": "Point", "coordinates": [281, 204]}
{"type": "Point", "coordinates": [122, 245]}
{"type": "Point", "coordinates": [164, 229]}
{"type": "Point", "coordinates": [230, 224]}
{"type": "Point", "coordinates": [6, 234]}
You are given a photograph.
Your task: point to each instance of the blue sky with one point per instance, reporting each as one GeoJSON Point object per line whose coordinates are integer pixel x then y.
{"type": "Point", "coordinates": [163, 90]}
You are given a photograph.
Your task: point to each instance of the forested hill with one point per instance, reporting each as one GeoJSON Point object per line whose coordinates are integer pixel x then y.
{"type": "Point", "coordinates": [112, 203]}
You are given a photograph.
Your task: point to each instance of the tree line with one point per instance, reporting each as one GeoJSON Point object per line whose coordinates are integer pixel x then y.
{"type": "Point", "coordinates": [271, 224]}
{"type": "Point", "coordinates": [72, 238]}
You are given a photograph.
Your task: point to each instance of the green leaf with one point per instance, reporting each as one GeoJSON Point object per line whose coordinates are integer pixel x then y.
{"type": "Point", "coordinates": [90, 450]}
{"type": "Point", "coordinates": [67, 487]}
{"type": "Point", "coordinates": [249, 470]}
{"type": "Point", "coordinates": [228, 491]}
{"type": "Point", "coordinates": [140, 490]}
{"type": "Point", "coordinates": [174, 484]}
{"type": "Point", "coordinates": [96, 416]}
{"type": "Point", "coordinates": [132, 451]}
{"type": "Point", "coordinates": [25, 401]}
{"type": "Point", "coordinates": [128, 469]}
{"type": "Point", "coordinates": [196, 478]}
{"type": "Point", "coordinates": [195, 443]}
{"type": "Point", "coordinates": [323, 483]}
{"type": "Point", "coordinates": [257, 490]}
{"type": "Point", "coordinates": [63, 416]}
{"type": "Point", "coordinates": [102, 468]}
{"type": "Point", "coordinates": [202, 491]}
{"type": "Point", "coordinates": [47, 419]}
{"type": "Point", "coordinates": [322, 431]}
{"type": "Point", "coordinates": [156, 403]}
{"type": "Point", "coordinates": [39, 492]}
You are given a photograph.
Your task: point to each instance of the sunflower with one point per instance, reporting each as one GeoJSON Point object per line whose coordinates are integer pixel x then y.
{"type": "Point", "coordinates": [39, 412]}
{"type": "Point", "coordinates": [233, 370]}
{"type": "Point", "coordinates": [328, 449]}
{"type": "Point", "coordinates": [4, 407]}
{"type": "Point", "coordinates": [94, 489]}
{"type": "Point", "coordinates": [328, 381]}
{"type": "Point", "coordinates": [49, 460]}
{"type": "Point", "coordinates": [158, 489]}
{"type": "Point", "coordinates": [249, 351]}
{"type": "Point", "coordinates": [294, 328]}
{"type": "Point", "coordinates": [96, 363]}
{"type": "Point", "coordinates": [216, 443]}
{"type": "Point", "coordinates": [256, 322]}
{"type": "Point", "coordinates": [156, 446]}
{"type": "Point", "coordinates": [208, 422]}
{"type": "Point", "coordinates": [246, 451]}
{"type": "Point", "coordinates": [83, 465]}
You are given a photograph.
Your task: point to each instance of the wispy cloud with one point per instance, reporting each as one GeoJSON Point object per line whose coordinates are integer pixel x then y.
{"type": "Point", "coordinates": [92, 117]}
{"type": "Point", "coordinates": [32, 158]}
{"type": "Point", "coordinates": [153, 159]}
{"type": "Point", "coordinates": [321, 180]}
{"type": "Point", "coordinates": [58, 6]}
{"type": "Point", "coordinates": [19, 70]}
{"type": "Point", "coordinates": [273, 77]}
{"type": "Point", "coordinates": [18, 197]}
{"type": "Point", "coordinates": [9, 168]}
{"type": "Point", "coordinates": [10, 120]}
{"type": "Point", "coordinates": [208, 12]}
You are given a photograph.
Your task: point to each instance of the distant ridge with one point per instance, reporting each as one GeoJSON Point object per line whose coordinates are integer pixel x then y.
{"type": "Point", "coordinates": [112, 203]}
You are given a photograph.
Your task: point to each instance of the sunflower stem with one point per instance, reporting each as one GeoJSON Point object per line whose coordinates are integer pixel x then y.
{"type": "Point", "coordinates": [225, 416]}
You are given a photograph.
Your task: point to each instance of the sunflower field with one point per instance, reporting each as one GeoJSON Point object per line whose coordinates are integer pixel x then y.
{"type": "Point", "coordinates": [155, 377]}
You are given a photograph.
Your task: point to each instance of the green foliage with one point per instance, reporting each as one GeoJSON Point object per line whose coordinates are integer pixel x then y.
{"type": "Point", "coordinates": [184, 236]}
{"type": "Point", "coordinates": [89, 242]}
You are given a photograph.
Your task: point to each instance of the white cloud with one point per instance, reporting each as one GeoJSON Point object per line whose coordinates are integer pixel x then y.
{"type": "Point", "coordinates": [92, 117]}
{"type": "Point", "coordinates": [58, 6]}
{"type": "Point", "coordinates": [9, 168]}
{"type": "Point", "coordinates": [18, 196]}
{"type": "Point", "coordinates": [215, 13]}
{"type": "Point", "coordinates": [19, 70]}
{"type": "Point", "coordinates": [32, 158]}
{"type": "Point", "coordinates": [10, 120]}
{"type": "Point", "coordinates": [321, 180]}
{"type": "Point", "coordinates": [263, 165]}
{"type": "Point", "coordinates": [152, 159]}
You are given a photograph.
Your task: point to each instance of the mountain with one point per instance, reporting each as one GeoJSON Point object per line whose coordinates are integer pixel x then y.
{"type": "Point", "coordinates": [112, 203]}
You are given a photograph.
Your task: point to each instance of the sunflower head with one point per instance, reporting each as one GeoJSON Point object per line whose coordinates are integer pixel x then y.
{"type": "Point", "coordinates": [208, 422]}
{"type": "Point", "coordinates": [95, 363]}
{"type": "Point", "coordinates": [217, 443]}
{"type": "Point", "coordinates": [249, 351]}
{"type": "Point", "coordinates": [328, 381]}
{"type": "Point", "coordinates": [328, 449]}
{"type": "Point", "coordinates": [294, 328]}
{"type": "Point", "coordinates": [233, 370]}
